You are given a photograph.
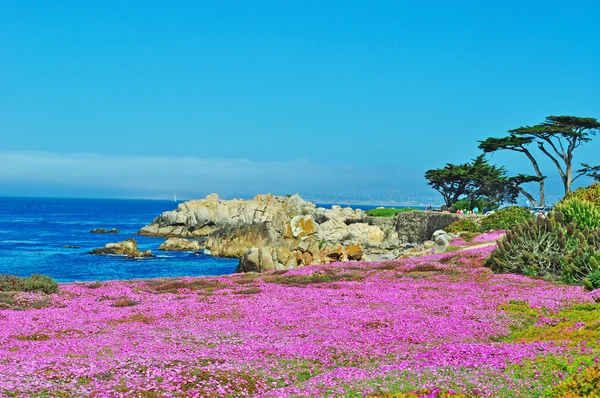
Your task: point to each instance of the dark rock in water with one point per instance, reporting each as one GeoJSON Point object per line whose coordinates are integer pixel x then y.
{"type": "Point", "coordinates": [71, 247]}
{"type": "Point", "coordinates": [104, 231]}
{"type": "Point", "coordinates": [127, 248]}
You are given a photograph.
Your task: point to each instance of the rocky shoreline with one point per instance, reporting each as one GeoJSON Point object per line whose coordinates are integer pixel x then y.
{"type": "Point", "coordinates": [274, 232]}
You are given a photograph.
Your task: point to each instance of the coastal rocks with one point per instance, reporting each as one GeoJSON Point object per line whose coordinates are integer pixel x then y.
{"type": "Point", "coordinates": [202, 217]}
{"type": "Point", "coordinates": [300, 226]}
{"type": "Point", "coordinates": [306, 253]}
{"type": "Point", "coordinates": [104, 231]}
{"type": "Point", "coordinates": [71, 247]}
{"type": "Point", "coordinates": [236, 241]}
{"type": "Point", "coordinates": [256, 260]}
{"type": "Point", "coordinates": [274, 232]}
{"type": "Point", "coordinates": [127, 248]}
{"type": "Point", "coordinates": [181, 245]}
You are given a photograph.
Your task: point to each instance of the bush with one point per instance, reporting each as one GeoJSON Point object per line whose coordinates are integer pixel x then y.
{"type": "Point", "coordinates": [462, 225]}
{"type": "Point", "coordinates": [590, 194]}
{"type": "Point", "coordinates": [549, 248]}
{"type": "Point", "coordinates": [584, 214]}
{"type": "Point", "coordinates": [506, 218]}
{"type": "Point", "coordinates": [33, 283]}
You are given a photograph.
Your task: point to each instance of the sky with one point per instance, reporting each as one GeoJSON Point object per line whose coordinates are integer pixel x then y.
{"type": "Point", "coordinates": [338, 99]}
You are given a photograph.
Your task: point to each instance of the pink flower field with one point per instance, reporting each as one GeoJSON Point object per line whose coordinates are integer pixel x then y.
{"type": "Point", "coordinates": [347, 329]}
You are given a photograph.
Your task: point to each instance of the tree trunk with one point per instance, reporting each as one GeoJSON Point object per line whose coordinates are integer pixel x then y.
{"type": "Point", "coordinates": [568, 181]}
{"type": "Point", "coordinates": [538, 172]}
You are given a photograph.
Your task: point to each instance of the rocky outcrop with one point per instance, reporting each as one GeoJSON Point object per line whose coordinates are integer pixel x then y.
{"type": "Point", "coordinates": [127, 248]}
{"type": "Point", "coordinates": [104, 231]}
{"type": "Point", "coordinates": [272, 232]}
{"type": "Point", "coordinates": [202, 217]}
{"type": "Point", "coordinates": [180, 245]}
{"type": "Point", "coordinates": [306, 253]}
{"type": "Point", "coordinates": [235, 241]}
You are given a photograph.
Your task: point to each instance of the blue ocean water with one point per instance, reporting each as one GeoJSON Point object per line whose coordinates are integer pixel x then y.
{"type": "Point", "coordinates": [34, 231]}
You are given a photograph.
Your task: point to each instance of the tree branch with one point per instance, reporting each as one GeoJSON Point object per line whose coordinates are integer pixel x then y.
{"type": "Point", "coordinates": [556, 162]}
{"type": "Point", "coordinates": [528, 196]}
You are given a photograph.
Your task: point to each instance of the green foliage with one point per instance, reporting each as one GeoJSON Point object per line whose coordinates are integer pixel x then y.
{"type": "Point", "coordinates": [475, 180]}
{"type": "Point", "coordinates": [557, 138]}
{"type": "Point", "coordinates": [548, 248]}
{"type": "Point", "coordinates": [589, 194]}
{"type": "Point", "coordinates": [466, 204]}
{"type": "Point", "coordinates": [506, 218]}
{"type": "Point", "coordinates": [462, 225]}
{"type": "Point", "coordinates": [388, 212]}
{"type": "Point", "coordinates": [33, 283]}
{"type": "Point", "coordinates": [584, 214]}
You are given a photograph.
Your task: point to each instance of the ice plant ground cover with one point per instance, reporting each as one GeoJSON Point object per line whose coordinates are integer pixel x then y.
{"type": "Point", "coordinates": [441, 324]}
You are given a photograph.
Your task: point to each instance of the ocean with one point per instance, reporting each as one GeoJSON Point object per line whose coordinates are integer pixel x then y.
{"type": "Point", "coordinates": [34, 232]}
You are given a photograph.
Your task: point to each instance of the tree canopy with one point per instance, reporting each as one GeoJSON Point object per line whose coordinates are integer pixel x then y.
{"type": "Point", "coordinates": [558, 137]}
{"type": "Point", "coordinates": [476, 180]}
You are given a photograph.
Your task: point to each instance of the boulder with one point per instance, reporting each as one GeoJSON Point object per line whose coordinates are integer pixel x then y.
{"type": "Point", "coordinates": [180, 244]}
{"type": "Point", "coordinates": [441, 242]}
{"type": "Point", "coordinates": [127, 248]}
{"type": "Point", "coordinates": [353, 252]}
{"type": "Point", "coordinates": [419, 226]}
{"type": "Point", "coordinates": [256, 260]}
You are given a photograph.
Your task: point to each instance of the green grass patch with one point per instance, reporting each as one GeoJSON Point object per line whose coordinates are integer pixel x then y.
{"type": "Point", "coordinates": [388, 212]}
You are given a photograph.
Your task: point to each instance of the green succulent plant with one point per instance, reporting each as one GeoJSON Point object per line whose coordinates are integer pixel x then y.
{"type": "Point", "coordinates": [552, 248]}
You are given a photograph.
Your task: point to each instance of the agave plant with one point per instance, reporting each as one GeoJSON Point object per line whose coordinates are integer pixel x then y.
{"type": "Point", "coordinates": [550, 247]}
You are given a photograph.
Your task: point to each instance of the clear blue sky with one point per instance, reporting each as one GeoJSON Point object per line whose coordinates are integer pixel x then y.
{"type": "Point", "coordinates": [338, 96]}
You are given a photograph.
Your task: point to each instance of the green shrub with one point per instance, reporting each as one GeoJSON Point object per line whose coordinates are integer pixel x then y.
{"type": "Point", "coordinates": [506, 218]}
{"type": "Point", "coordinates": [33, 283]}
{"type": "Point", "coordinates": [462, 225]}
{"type": "Point", "coordinates": [589, 194]}
{"type": "Point", "coordinates": [546, 247]}
{"type": "Point", "coordinates": [40, 283]}
{"type": "Point", "coordinates": [584, 214]}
